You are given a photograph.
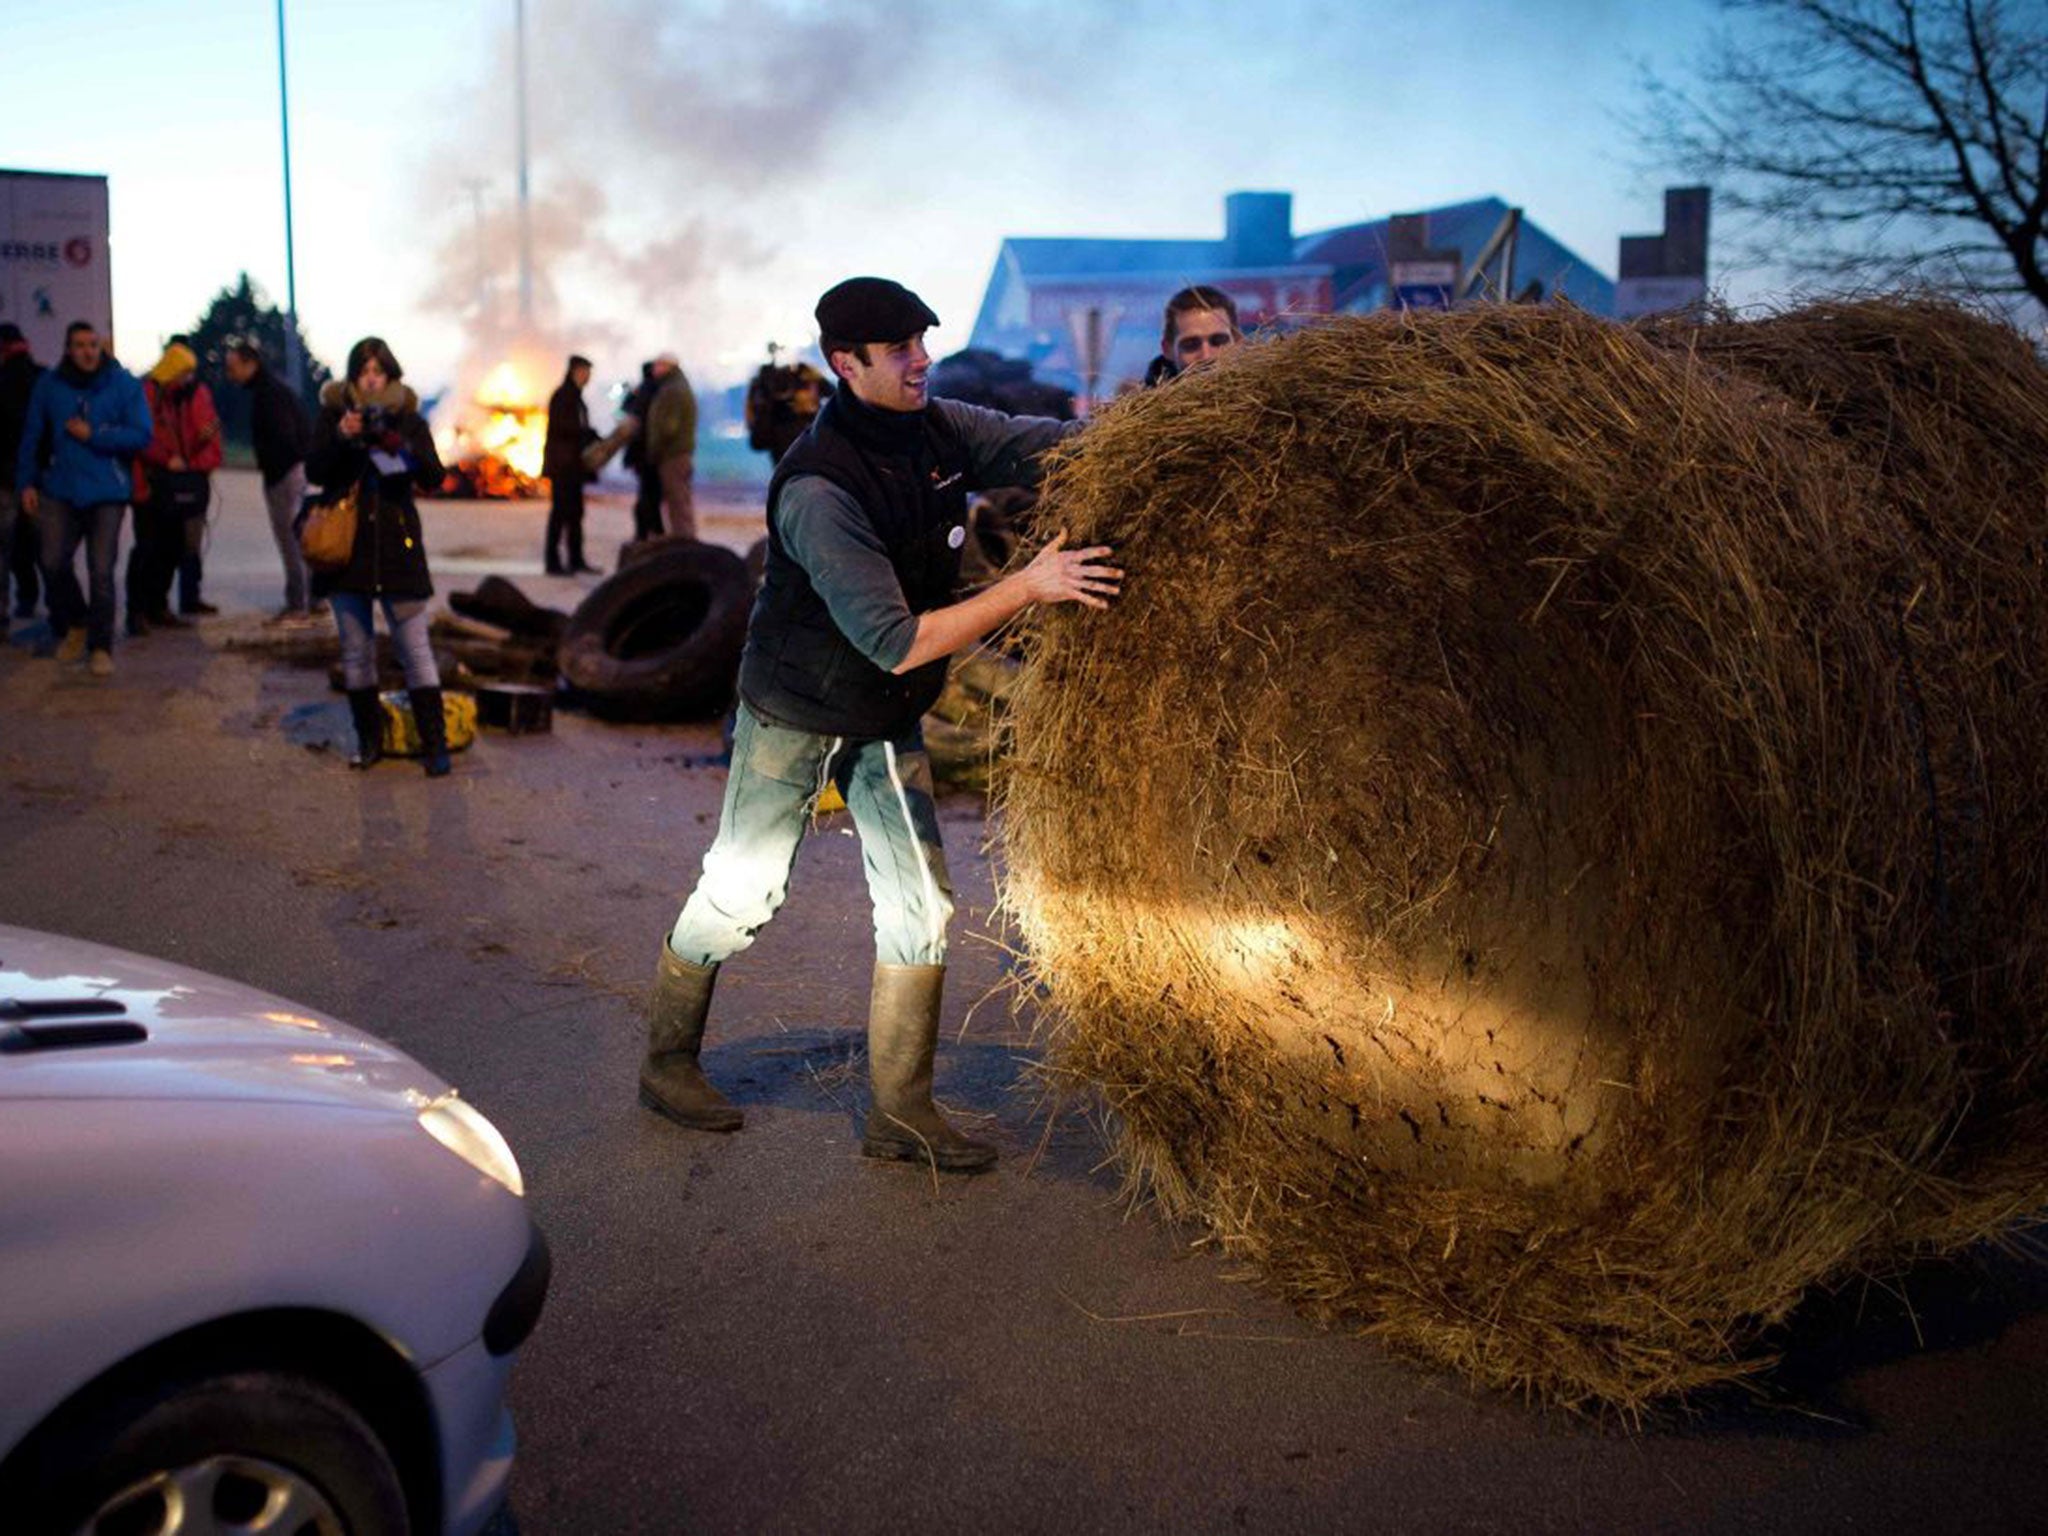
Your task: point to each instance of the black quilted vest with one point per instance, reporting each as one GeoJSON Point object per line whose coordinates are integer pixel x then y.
{"type": "Point", "coordinates": [909, 473]}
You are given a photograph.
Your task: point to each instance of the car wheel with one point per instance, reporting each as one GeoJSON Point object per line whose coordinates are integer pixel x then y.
{"type": "Point", "coordinates": [248, 1453]}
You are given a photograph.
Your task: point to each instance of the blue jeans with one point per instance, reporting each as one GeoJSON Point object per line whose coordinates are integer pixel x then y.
{"type": "Point", "coordinates": [777, 776]}
{"type": "Point", "coordinates": [65, 527]}
{"type": "Point", "coordinates": [354, 622]}
{"type": "Point", "coordinates": [282, 499]}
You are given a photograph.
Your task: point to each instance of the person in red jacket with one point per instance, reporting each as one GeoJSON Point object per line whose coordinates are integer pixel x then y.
{"type": "Point", "coordinates": [173, 489]}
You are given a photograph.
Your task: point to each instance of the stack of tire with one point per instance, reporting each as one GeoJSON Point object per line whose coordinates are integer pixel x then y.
{"type": "Point", "coordinates": [660, 639]}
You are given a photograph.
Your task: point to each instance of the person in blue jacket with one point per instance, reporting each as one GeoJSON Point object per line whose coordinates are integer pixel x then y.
{"type": "Point", "coordinates": [87, 420]}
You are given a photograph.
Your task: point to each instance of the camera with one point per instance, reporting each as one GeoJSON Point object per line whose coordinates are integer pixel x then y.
{"type": "Point", "coordinates": [377, 420]}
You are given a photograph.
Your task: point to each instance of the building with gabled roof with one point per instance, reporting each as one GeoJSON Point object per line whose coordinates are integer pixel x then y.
{"type": "Point", "coordinates": [1039, 286]}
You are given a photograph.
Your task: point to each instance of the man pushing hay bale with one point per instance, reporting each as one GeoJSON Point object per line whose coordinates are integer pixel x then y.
{"type": "Point", "coordinates": [1544, 857]}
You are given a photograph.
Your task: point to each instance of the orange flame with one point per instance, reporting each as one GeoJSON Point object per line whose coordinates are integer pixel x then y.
{"type": "Point", "coordinates": [494, 450]}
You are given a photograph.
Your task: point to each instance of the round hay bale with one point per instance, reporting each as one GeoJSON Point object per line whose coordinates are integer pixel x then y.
{"type": "Point", "coordinates": [1503, 859]}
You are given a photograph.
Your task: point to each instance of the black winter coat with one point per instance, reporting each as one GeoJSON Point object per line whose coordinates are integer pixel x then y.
{"type": "Point", "coordinates": [277, 425]}
{"type": "Point", "coordinates": [390, 554]}
{"type": "Point", "coordinates": [17, 379]}
{"type": "Point", "coordinates": [568, 433]}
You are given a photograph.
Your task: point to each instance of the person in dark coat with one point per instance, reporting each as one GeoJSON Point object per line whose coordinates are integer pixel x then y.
{"type": "Point", "coordinates": [18, 373]}
{"type": "Point", "coordinates": [647, 501]}
{"type": "Point", "coordinates": [371, 438]}
{"type": "Point", "coordinates": [561, 461]}
{"type": "Point", "coordinates": [279, 432]}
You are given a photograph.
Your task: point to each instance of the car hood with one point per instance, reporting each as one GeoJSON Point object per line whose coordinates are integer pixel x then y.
{"type": "Point", "coordinates": [201, 1036]}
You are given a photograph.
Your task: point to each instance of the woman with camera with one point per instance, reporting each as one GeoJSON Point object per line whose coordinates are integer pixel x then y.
{"type": "Point", "coordinates": [372, 441]}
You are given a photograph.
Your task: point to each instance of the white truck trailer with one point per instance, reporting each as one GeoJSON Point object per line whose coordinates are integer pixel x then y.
{"type": "Point", "coordinates": [55, 264]}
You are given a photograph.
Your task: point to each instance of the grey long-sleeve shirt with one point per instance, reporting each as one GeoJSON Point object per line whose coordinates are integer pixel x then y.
{"type": "Point", "coordinates": [826, 531]}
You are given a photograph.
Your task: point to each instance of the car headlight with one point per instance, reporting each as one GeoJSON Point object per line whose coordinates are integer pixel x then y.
{"type": "Point", "coordinates": [465, 1132]}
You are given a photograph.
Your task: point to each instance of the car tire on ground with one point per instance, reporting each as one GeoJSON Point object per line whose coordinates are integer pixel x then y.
{"type": "Point", "coordinates": [230, 1448]}
{"type": "Point", "coordinates": [633, 551]}
{"type": "Point", "coordinates": [661, 639]}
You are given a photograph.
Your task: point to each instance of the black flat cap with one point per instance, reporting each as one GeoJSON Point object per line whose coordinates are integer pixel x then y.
{"type": "Point", "coordinates": [872, 309]}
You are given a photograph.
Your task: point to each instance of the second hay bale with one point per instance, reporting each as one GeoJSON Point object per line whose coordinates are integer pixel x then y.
{"type": "Point", "coordinates": [1485, 859]}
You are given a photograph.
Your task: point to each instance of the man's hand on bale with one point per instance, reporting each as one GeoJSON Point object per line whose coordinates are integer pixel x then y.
{"type": "Point", "coordinates": [1057, 574]}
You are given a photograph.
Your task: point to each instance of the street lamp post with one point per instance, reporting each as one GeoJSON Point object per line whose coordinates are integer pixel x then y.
{"type": "Point", "coordinates": [294, 363]}
{"type": "Point", "coordinates": [525, 202]}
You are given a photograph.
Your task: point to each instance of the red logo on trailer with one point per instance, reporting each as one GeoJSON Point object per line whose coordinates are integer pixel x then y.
{"type": "Point", "coordinates": [78, 251]}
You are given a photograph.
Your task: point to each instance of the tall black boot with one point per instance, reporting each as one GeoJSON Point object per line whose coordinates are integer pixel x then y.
{"type": "Point", "coordinates": [671, 1082]}
{"type": "Point", "coordinates": [433, 725]}
{"type": "Point", "coordinates": [903, 1032]}
{"type": "Point", "coordinates": [366, 709]}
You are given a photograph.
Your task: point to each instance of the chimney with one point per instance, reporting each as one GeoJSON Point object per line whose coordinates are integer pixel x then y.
{"type": "Point", "coordinates": [1258, 229]}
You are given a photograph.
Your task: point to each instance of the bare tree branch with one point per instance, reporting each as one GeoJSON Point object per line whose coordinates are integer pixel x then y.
{"type": "Point", "coordinates": [1873, 136]}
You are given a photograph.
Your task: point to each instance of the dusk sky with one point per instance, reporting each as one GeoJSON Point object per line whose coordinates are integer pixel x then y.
{"type": "Point", "coordinates": [701, 171]}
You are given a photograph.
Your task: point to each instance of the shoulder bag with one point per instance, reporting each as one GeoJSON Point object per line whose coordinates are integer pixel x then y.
{"type": "Point", "coordinates": [327, 533]}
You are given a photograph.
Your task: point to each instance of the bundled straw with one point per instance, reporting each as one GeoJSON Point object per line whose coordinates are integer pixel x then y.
{"type": "Point", "coordinates": [1544, 859]}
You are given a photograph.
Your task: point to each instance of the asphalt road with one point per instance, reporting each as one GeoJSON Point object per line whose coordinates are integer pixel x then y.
{"type": "Point", "coordinates": [762, 1332]}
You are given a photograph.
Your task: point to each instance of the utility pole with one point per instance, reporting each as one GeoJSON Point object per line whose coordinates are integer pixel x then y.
{"type": "Point", "coordinates": [525, 206]}
{"type": "Point", "coordinates": [294, 360]}
{"type": "Point", "coordinates": [475, 185]}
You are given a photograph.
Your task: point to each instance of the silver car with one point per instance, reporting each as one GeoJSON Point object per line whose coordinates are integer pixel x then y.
{"type": "Point", "coordinates": [259, 1271]}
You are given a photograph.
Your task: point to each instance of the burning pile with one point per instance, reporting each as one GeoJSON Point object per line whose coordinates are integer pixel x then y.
{"type": "Point", "coordinates": [493, 449]}
{"type": "Point", "coordinates": [1546, 857]}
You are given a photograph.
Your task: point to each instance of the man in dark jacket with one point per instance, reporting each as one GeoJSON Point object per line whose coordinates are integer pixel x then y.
{"type": "Point", "coordinates": [87, 420]}
{"type": "Point", "coordinates": [647, 498]}
{"type": "Point", "coordinates": [561, 460]}
{"type": "Point", "coordinates": [846, 650]}
{"type": "Point", "coordinates": [18, 373]}
{"type": "Point", "coordinates": [280, 434]}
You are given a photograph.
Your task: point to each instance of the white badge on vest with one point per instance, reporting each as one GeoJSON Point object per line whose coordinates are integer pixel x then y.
{"type": "Point", "coordinates": [956, 536]}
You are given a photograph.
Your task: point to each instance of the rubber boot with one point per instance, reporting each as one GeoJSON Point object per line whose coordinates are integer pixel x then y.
{"type": "Point", "coordinates": [433, 727]}
{"type": "Point", "coordinates": [671, 1082]}
{"type": "Point", "coordinates": [903, 1032]}
{"type": "Point", "coordinates": [367, 710]}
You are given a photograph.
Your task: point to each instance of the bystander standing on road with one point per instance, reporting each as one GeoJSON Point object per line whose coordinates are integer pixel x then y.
{"type": "Point", "coordinates": [86, 421]}
{"type": "Point", "coordinates": [173, 490]}
{"type": "Point", "coordinates": [18, 371]}
{"type": "Point", "coordinates": [279, 433]}
{"type": "Point", "coordinates": [370, 440]}
{"type": "Point", "coordinates": [671, 437]}
{"type": "Point", "coordinates": [646, 482]}
{"type": "Point", "coordinates": [846, 650]}
{"type": "Point", "coordinates": [561, 460]}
